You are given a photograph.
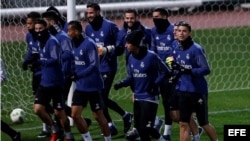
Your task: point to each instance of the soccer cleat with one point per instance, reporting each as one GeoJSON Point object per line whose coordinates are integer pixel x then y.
{"type": "Point", "coordinates": [200, 131]}
{"type": "Point", "coordinates": [17, 137]}
{"type": "Point", "coordinates": [113, 130]}
{"type": "Point", "coordinates": [127, 121]}
{"type": "Point", "coordinates": [54, 137]}
{"type": "Point", "coordinates": [158, 126]}
{"type": "Point", "coordinates": [132, 134]}
{"type": "Point", "coordinates": [44, 134]}
{"type": "Point", "coordinates": [69, 139]}
{"type": "Point", "coordinates": [165, 138]}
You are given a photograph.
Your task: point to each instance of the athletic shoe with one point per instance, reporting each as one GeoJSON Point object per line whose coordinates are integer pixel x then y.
{"type": "Point", "coordinates": [69, 139]}
{"type": "Point", "coordinates": [113, 130]}
{"type": "Point", "coordinates": [200, 131]}
{"type": "Point", "coordinates": [44, 134]}
{"type": "Point", "coordinates": [127, 121]}
{"type": "Point", "coordinates": [158, 126]}
{"type": "Point", "coordinates": [132, 134]}
{"type": "Point", "coordinates": [165, 138]}
{"type": "Point", "coordinates": [17, 137]}
{"type": "Point", "coordinates": [54, 137]}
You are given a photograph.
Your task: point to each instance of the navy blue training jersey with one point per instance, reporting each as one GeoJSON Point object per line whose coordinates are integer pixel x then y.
{"type": "Point", "coordinates": [192, 58]}
{"type": "Point", "coordinates": [105, 36]}
{"type": "Point", "coordinates": [52, 74]}
{"type": "Point", "coordinates": [65, 51]}
{"type": "Point", "coordinates": [86, 64]}
{"type": "Point", "coordinates": [145, 72]}
{"type": "Point", "coordinates": [161, 44]}
{"type": "Point", "coordinates": [32, 48]}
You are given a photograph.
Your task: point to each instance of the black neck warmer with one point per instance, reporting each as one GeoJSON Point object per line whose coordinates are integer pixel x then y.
{"type": "Point", "coordinates": [142, 53]}
{"type": "Point", "coordinates": [186, 44]}
{"type": "Point", "coordinates": [161, 24]}
{"type": "Point", "coordinates": [78, 41]}
{"type": "Point", "coordinates": [54, 29]}
{"type": "Point", "coordinates": [96, 23]}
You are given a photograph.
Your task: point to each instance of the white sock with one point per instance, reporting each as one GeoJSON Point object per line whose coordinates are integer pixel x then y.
{"type": "Point", "coordinates": [44, 127]}
{"type": "Point", "coordinates": [156, 120]}
{"type": "Point", "coordinates": [86, 137]}
{"type": "Point", "coordinates": [167, 129]}
{"type": "Point", "coordinates": [68, 135]}
{"type": "Point", "coordinates": [108, 138]}
{"type": "Point", "coordinates": [54, 128]}
{"type": "Point", "coordinates": [196, 137]}
{"type": "Point", "coordinates": [111, 124]}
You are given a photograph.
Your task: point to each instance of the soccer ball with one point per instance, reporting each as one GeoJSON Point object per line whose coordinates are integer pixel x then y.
{"type": "Point", "coordinates": [17, 115]}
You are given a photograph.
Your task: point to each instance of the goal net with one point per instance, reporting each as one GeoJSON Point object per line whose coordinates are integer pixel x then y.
{"type": "Point", "coordinates": [221, 27]}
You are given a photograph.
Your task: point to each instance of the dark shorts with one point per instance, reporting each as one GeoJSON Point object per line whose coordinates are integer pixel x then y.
{"type": "Point", "coordinates": [173, 101]}
{"type": "Point", "coordinates": [46, 94]}
{"type": "Point", "coordinates": [144, 113]}
{"type": "Point", "coordinates": [82, 99]}
{"type": "Point", "coordinates": [193, 102]}
{"type": "Point", "coordinates": [36, 79]}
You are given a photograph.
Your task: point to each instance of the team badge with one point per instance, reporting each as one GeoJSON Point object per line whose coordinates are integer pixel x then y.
{"type": "Point", "coordinates": [81, 52]}
{"type": "Point", "coordinates": [142, 65]}
{"type": "Point", "coordinates": [30, 43]}
{"type": "Point", "coordinates": [101, 34]}
{"type": "Point", "coordinates": [169, 37]}
{"type": "Point", "coordinates": [187, 56]}
{"type": "Point", "coordinates": [92, 35]}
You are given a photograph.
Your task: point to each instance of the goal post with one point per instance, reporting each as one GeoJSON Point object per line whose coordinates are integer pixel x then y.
{"type": "Point", "coordinates": [221, 27]}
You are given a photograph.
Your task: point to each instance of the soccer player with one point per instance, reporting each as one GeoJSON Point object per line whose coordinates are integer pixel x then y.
{"type": "Point", "coordinates": [161, 44]}
{"type": "Point", "coordinates": [104, 33]}
{"type": "Point", "coordinates": [173, 100]}
{"type": "Point", "coordinates": [131, 23]}
{"type": "Point", "coordinates": [146, 71]}
{"type": "Point", "coordinates": [13, 134]}
{"type": "Point", "coordinates": [192, 86]}
{"type": "Point", "coordinates": [51, 82]}
{"type": "Point", "coordinates": [30, 61]}
{"type": "Point", "coordinates": [89, 82]}
{"type": "Point", "coordinates": [61, 19]}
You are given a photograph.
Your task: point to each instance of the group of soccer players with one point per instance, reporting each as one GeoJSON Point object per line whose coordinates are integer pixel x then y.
{"type": "Point", "coordinates": [162, 61]}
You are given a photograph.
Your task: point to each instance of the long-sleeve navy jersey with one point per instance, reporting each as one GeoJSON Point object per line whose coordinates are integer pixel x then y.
{"type": "Point", "coordinates": [32, 48]}
{"type": "Point", "coordinates": [145, 72]}
{"type": "Point", "coordinates": [86, 64]}
{"type": "Point", "coordinates": [52, 74]}
{"type": "Point", "coordinates": [161, 44]}
{"type": "Point", "coordinates": [192, 58]}
{"type": "Point", "coordinates": [121, 38]}
{"type": "Point", "coordinates": [65, 52]}
{"type": "Point", "coordinates": [105, 36]}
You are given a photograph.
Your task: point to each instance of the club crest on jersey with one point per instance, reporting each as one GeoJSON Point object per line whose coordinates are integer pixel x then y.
{"type": "Point", "coordinates": [101, 34]}
{"type": "Point", "coordinates": [81, 52]}
{"type": "Point", "coordinates": [142, 64]}
{"type": "Point", "coordinates": [30, 43]}
{"type": "Point", "coordinates": [92, 35]}
{"type": "Point", "coordinates": [169, 37]}
{"type": "Point", "coordinates": [187, 56]}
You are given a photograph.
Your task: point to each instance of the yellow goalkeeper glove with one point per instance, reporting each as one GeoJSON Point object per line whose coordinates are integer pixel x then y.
{"type": "Point", "coordinates": [169, 61]}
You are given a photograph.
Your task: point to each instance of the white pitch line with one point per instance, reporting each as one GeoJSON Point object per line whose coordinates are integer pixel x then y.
{"type": "Point", "coordinates": [210, 113]}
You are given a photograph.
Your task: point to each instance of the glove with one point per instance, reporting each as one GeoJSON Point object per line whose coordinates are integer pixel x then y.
{"type": "Point", "coordinates": [73, 77]}
{"type": "Point", "coordinates": [25, 66]}
{"type": "Point", "coordinates": [35, 56]}
{"type": "Point", "coordinates": [169, 61]}
{"type": "Point", "coordinates": [104, 50]}
{"type": "Point", "coordinates": [118, 85]}
{"type": "Point", "coordinates": [180, 68]}
{"type": "Point", "coordinates": [151, 88]}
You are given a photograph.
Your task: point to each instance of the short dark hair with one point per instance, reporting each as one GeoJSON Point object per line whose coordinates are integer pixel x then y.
{"type": "Point", "coordinates": [94, 5]}
{"type": "Point", "coordinates": [76, 25]}
{"type": "Point", "coordinates": [41, 21]}
{"type": "Point", "coordinates": [163, 11]}
{"type": "Point", "coordinates": [51, 15]}
{"type": "Point", "coordinates": [34, 15]}
{"type": "Point", "coordinates": [134, 11]}
{"type": "Point", "coordinates": [183, 23]}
